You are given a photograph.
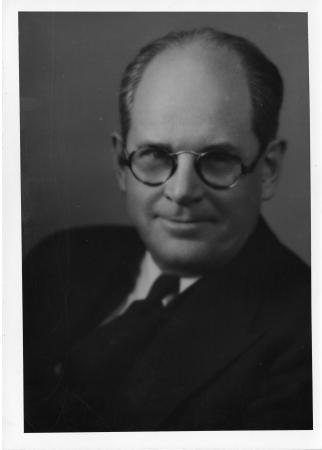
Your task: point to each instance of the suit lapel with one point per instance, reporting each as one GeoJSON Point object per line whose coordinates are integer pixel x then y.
{"type": "Point", "coordinates": [113, 280]}
{"type": "Point", "coordinates": [209, 327]}
{"type": "Point", "coordinates": [211, 324]}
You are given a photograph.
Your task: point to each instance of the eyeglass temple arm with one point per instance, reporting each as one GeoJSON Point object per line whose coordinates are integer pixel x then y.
{"type": "Point", "coordinates": [251, 167]}
{"type": "Point", "coordinates": [124, 157]}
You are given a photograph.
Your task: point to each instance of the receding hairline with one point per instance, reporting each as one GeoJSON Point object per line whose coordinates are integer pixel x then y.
{"type": "Point", "coordinates": [262, 76]}
{"type": "Point", "coordinates": [191, 69]}
{"type": "Point", "coordinates": [208, 49]}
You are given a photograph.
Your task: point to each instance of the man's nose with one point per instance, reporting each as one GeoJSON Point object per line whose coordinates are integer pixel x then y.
{"type": "Point", "coordinates": [185, 186]}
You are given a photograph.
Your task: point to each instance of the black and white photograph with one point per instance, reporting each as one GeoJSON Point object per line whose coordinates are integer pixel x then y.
{"type": "Point", "coordinates": [165, 223]}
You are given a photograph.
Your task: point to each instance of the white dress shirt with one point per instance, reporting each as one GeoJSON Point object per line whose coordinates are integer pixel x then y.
{"type": "Point", "coordinates": [148, 273]}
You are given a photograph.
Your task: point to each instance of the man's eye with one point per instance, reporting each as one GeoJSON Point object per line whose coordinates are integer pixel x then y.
{"type": "Point", "coordinates": [220, 158]}
{"type": "Point", "coordinates": [153, 153]}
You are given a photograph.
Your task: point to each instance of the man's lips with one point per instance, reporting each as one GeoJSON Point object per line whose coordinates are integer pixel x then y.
{"type": "Point", "coordinates": [183, 222]}
{"type": "Point", "coordinates": [184, 219]}
{"type": "Point", "coordinates": [183, 228]}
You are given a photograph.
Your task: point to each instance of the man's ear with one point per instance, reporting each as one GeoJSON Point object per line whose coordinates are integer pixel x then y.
{"type": "Point", "coordinates": [117, 146]}
{"type": "Point", "coordinates": [272, 166]}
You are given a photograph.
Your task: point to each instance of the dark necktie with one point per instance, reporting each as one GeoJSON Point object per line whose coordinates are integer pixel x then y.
{"type": "Point", "coordinates": [129, 334]}
{"type": "Point", "coordinates": [106, 356]}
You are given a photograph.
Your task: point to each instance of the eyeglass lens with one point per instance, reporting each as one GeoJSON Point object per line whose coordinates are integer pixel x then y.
{"type": "Point", "coordinates": [155, 166]}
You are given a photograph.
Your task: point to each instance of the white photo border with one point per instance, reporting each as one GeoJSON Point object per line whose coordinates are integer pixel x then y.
{"type": "Point", "coordinates": [14, 437]}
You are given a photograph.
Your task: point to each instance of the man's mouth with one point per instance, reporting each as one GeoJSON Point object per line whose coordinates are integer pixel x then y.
{"type": "Point", "coordinates": [182, 226]}
{"type": "Point", "coordinates": [184, 219]}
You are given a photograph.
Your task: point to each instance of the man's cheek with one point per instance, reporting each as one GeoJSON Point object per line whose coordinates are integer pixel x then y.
{"type": "Point", "coordinates": [139, 208]}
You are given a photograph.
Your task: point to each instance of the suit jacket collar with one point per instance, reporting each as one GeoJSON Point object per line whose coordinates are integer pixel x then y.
{"type": "Point", "coordinates": [210, 325]}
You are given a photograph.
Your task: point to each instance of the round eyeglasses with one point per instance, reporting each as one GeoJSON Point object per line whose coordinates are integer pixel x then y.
{"type": "Point", "coordinates": [154, 166]}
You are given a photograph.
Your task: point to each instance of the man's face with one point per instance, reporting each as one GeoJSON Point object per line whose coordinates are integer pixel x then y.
{"type": "Point", "coordinates": [190, 100]}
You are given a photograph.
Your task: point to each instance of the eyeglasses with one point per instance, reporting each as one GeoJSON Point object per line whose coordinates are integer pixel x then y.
{"type": "Point", "coordinates": [154, 166]}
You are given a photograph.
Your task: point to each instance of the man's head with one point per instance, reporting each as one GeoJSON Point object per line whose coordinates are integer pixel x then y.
{"type": "Point", "coordinates": [200, 92]}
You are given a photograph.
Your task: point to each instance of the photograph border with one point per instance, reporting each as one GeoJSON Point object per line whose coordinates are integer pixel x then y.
{"type": "Point", "coordinates": [14, 437]}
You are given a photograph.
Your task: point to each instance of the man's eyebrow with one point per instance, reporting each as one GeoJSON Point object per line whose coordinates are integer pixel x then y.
{"type": "Point", "coordinates": [156, 145]}
{"type": "Point", "coordinates": [220, 146]}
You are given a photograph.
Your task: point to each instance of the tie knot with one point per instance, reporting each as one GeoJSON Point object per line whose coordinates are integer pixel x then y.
{"type": "Point", "coordinates": [163, 286]}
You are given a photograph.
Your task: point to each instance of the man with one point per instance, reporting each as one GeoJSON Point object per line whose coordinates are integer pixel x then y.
{"type": "Point", "coordinates": [226, 344]}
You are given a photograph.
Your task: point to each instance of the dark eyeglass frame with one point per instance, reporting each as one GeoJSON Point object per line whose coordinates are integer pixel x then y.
{"type": "Point", "coordinates": [127, 159]}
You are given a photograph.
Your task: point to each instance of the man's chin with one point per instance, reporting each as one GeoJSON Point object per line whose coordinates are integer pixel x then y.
{"type": "Point", "coordinates": [185, 258]}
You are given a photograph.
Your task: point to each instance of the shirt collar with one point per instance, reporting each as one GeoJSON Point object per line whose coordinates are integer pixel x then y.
{"type": "Point", "coordinates": [148, 273]}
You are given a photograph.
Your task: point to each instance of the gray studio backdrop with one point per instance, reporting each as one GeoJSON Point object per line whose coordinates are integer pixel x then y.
{"type": "Point", "coordinates": [70, 68]}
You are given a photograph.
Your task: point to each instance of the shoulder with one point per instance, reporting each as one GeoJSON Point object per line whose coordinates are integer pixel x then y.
{"type": "Point", "coordinates": [276, 263]}
{"type": "Point", "coordinates": [80, 253]}
{"type": "Point", "coordinates": [282, 289]}
{"type": "Point", "coordinates": [279, 283]}
{"type": "Point", "coordinates": [85, 241]}
{"type": "Point", "coordinates": [283, 284]}
{"type": "Point", "coordinates": [79, 256]}
{"type": "Point", "coordinates": [69, 278]}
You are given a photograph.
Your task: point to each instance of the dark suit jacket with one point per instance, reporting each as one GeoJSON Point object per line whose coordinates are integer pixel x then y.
{"type": "Point", "coordinates": [235, 353]}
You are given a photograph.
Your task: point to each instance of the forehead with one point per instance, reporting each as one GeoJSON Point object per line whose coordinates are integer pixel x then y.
{"type": "Point", "coordinates": [192, 92]}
